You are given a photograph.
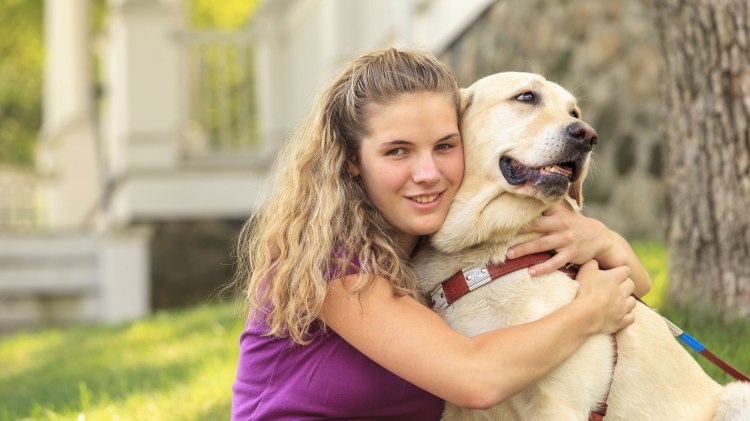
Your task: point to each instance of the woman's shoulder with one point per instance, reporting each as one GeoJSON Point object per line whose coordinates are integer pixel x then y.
{"type": "Point", "coordinates": [343, 263]}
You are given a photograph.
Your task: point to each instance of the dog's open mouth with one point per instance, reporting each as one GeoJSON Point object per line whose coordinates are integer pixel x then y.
{"type": "Point", "coordinates": [551, 179]}
{"type": "Point", "coordinates": [517, 173]}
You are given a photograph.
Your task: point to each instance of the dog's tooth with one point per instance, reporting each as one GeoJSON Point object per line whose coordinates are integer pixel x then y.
{"type": "Point", "coordinates": [556, 170]}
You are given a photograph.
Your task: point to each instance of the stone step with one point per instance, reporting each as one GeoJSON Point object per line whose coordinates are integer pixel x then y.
{"type": "Point", "coordinates": [58, 246]}
{"type": "Point", "coordinates": [48, 281]}
{"type": "Point", "coordinates": [47, 265]}
{"type": "Point", "coordinates": [73, 278]}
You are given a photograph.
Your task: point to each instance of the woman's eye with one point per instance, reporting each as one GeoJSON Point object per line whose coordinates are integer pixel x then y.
{"type": "Point", "coordinates": [526, 97]}
{"type": "Point", "coordinates": [444, 147]}
{"type": "Point", "coordinates": [396, 152]}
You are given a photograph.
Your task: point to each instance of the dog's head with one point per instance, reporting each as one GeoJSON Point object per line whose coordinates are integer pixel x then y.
{"type": "Point", "coordinates": [525, 148]}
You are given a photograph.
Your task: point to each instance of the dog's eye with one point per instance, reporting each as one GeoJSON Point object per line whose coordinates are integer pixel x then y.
{"type": "Point", "coordinates": [575, 114]}
{"type": "Point", "coordinates": [526, 97]}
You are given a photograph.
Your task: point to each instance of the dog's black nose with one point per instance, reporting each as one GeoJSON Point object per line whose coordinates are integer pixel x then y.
{"type": "Point", "coordinates": [583, 135]}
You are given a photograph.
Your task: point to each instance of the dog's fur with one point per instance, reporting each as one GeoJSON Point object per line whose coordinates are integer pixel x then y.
{"type": "Point", "coordinates": [655, 378]}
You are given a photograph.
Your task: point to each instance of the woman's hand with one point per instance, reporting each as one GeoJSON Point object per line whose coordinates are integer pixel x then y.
{"type": "Point", "coordinates": [608, 293]}
{"type": "Point", "coordinates": [575, 239]}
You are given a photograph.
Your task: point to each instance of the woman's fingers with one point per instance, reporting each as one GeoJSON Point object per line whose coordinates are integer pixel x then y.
{"type": "Point", "coordinates": [632, 303]}
{"type": "Point", "coordinates": [537, 245]}
{"type": "Point", "coordinates": [627, 287]}
{"type": "Point", "coordinates": [610, 291]}
{"type": "Point", "coordinates": [557, 217]}
{"type": "Point", "coordinates": [557, 208]}
{"type": "Point", "coordinates": [542, 224]}
{"type": "Point", "coordinates": [589, 266]}
{"type": "Point", "coordinates": [621, 273]}
{"type": "Point", "coordinates": [628, 320]}
{"type": "Point", "coordinates": [556, 262]}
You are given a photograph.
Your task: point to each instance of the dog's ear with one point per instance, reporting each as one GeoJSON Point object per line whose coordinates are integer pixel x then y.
{"type": "Point", "coordinates": [466, 98]}
{"type": "Point", "coordinates": [575, 191]}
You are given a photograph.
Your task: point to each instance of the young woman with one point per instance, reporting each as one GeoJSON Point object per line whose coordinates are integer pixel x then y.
{"type": "Point", "coordinates": [336, 329]}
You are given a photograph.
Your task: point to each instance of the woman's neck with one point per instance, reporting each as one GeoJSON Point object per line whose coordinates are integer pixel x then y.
{"type": "Point", "coordinates": [407, 243]}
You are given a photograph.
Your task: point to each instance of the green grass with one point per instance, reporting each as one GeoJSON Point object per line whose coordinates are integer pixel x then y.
{"type": "Point", "coordinates": [173, 366]}
{"type": "Point", "coordinates": [727, 339]}
{"type": "Point", "coordinates": [180, 365]}
{"type": "Point", "coordinates": [654, 257]}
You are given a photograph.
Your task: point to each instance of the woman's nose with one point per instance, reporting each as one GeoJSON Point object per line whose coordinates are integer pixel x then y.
{"type": "Point", "coordinates": [426, 171]}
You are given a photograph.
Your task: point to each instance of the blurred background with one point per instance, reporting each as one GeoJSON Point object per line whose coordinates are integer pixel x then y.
{"type": "Point", "coordinates": [136, 136]}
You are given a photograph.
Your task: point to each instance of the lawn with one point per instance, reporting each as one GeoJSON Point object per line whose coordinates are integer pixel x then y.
{"type": "Point", "coordinates": [728, 340]}
{"type": "Point", "coordinates": [172, 366]}
{"type": "Point", "coordinates": [180, 365]}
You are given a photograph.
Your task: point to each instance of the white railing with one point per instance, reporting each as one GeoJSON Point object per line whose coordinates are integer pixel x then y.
{"type": "Point", "coordinates": [23, 202]}
{"type": "Point", "coordinates": [220, 114]}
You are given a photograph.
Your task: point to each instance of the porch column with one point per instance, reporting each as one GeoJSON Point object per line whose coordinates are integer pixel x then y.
{"type": "Point", "coordinates": [144, 82]}
{"type": "Point", "coordinates": [67, 152]}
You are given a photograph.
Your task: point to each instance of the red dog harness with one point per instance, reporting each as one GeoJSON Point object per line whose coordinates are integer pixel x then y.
{"type": "Point", "coordinates": [471, 278]}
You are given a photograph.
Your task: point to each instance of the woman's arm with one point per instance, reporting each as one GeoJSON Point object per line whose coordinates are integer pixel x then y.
{"type": "Point", "coordinates": [578, 239]}
{"type": "Point", "coordinates": [413, 342]}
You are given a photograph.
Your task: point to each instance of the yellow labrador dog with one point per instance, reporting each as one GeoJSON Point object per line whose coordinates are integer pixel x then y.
{"type": "Point", "coordinates": [526, 149]}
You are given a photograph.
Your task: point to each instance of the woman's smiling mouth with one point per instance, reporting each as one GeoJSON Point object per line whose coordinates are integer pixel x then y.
{"type": "Point", "coordinates": [426, 198]}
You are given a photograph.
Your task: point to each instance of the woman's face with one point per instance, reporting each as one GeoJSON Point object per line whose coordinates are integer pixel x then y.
{"type": "Point", "coordinates": [411, 161]}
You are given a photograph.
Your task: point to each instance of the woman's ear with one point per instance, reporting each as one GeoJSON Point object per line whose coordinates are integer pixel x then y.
{"type": "Point", "coordinates": [352, 168]}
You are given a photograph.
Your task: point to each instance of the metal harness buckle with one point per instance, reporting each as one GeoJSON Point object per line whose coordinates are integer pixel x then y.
{"type": "Point", "coordinates": [475, 277]}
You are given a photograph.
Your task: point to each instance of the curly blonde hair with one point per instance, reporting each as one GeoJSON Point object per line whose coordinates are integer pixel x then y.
{"type": "Point", "coordinates": [318, 219]}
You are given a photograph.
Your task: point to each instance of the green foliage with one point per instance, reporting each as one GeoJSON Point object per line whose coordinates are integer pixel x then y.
{"type": "Point", "coordinates": [227, 14]}
{"type": "Point", "coordinates": [20, 79]}
{"type": "Point", "coordinates": [21, 63]}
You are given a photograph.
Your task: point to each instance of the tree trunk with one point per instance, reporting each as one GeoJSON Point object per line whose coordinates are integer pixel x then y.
{"type": "Point", "coordinates": [706, 131]}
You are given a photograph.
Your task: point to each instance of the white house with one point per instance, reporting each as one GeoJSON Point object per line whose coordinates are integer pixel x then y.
{"type": "Point", "coordinates": [187, 126]}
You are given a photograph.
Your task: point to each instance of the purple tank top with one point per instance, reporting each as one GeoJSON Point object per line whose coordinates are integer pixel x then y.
{"type": "Point", "coordinates": [327, 379]}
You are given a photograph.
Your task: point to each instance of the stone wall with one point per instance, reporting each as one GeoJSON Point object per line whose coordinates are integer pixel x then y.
{"type": "Point", "coordinates": [607, 54]}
